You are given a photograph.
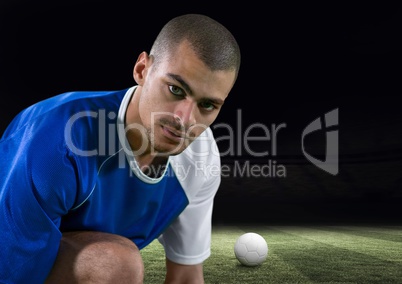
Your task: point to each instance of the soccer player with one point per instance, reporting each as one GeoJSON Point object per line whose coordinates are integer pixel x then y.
{"type": "Point", "coordinates": [88, 179]}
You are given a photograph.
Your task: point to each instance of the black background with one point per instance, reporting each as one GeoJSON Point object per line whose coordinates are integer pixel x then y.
{"type": "Point", "coordinates": [299, 61]}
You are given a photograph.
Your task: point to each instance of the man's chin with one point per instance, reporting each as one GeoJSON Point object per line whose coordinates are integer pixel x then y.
{"type": "Point", "coordinates": [167, 151]}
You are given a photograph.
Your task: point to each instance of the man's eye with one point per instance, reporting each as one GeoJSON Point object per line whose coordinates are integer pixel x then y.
{"type": "Point", "coordinates": [176, 90]}
{"type": "Point", "coordinates": [207, 106]}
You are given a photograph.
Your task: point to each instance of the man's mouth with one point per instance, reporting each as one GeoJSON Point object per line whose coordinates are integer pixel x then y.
{"type": "Point", "coordinates": [173, 134]}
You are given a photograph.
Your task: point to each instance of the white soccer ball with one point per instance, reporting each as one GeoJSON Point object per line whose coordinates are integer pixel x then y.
{"type": "Point", "coordinates": [251, 249]}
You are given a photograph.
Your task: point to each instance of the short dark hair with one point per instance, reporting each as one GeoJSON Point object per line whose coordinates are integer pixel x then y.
{"type": "Point", "coordinates": [213, 43]}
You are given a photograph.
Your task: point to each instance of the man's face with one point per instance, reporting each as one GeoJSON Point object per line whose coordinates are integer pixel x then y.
{"type": "Point", "coordinates": [179, 99]}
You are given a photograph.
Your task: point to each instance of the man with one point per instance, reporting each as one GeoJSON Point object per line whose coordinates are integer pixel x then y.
{"type": "Point", "coordinates": [90, 178]}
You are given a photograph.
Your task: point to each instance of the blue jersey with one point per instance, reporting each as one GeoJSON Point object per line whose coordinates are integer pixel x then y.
{"type": "Point", "coordinates": [65, 165]}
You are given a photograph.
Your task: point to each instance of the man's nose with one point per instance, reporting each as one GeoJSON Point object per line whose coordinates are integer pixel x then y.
{"type": "Point", "coordinates": [185, 110]}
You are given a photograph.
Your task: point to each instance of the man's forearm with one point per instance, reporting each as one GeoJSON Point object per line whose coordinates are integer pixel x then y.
{"type": "Point", "coordinates": [180, 274]}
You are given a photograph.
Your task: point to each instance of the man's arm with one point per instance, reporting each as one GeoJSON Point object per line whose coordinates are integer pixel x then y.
{"type": "Point", "coordinates": [179, 273]}
{"type": "Point", "coordinates": [36, 189]}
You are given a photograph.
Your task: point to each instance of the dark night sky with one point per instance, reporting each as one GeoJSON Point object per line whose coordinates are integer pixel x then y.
{"type": "Point", "coordinates": [299, 61]}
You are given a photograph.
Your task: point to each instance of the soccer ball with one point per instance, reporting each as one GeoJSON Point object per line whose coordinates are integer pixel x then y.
{"type": "Point", "coordinates": [251, 249]}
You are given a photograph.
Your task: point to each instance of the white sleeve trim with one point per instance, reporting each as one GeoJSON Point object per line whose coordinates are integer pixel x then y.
{"type": "Point", "coordinates": [183, 259]}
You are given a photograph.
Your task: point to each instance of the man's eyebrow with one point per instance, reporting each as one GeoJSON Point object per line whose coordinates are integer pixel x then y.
{"type": "Point", "coordinates": [179, 79]}
{"type": "Point", "coordinates": [215, 101]}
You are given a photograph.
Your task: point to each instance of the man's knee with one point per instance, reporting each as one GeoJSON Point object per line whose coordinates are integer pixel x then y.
{"type": "Point", "coordinates": [95, 257]}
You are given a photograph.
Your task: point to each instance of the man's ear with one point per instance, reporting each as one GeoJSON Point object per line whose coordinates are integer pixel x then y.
{"type": "Point", "coordinates": [141, 68]}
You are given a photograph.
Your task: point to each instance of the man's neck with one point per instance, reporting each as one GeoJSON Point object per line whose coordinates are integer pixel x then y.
{"type": "Point", "coordinates": [152, 166]}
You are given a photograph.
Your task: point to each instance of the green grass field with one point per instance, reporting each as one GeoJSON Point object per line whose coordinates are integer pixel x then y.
{"type": "Point", "coordinates": [299, 254]}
